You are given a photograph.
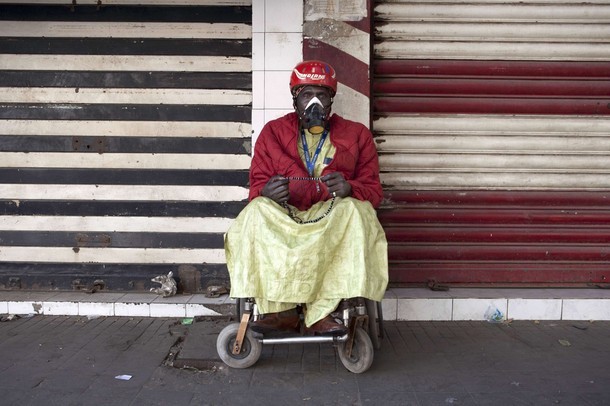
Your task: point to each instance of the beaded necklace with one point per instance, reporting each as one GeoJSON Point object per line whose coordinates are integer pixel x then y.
{"type": "Point", "coordinates": [296, 218]}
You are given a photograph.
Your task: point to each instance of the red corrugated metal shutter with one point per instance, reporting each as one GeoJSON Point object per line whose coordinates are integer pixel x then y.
{"type": "Point", "coordinates": [492, 122]}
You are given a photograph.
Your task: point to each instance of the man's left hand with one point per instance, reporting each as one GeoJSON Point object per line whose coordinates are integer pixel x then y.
{"type": "Point", "coordinates": [337, 185]}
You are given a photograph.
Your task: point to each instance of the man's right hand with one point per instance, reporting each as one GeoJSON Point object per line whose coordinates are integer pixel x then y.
{"type": "Point", "coordinates": [277, 189]}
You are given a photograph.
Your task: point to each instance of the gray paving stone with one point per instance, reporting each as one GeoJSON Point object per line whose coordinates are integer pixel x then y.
{"type": "Point", "coordinates": [445, 398]}
{"type": "Point", "coordinates": [388, 398]}
{"type": "Point", "coordinates": [60, 360]}
{"type": "Point", "coordinates": [162, 397]}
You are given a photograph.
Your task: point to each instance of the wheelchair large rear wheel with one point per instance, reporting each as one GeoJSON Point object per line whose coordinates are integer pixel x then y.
{"type": "Point", "coordinates": [361, 358]}
{"type": "Point", "coordinates": [250, 352]}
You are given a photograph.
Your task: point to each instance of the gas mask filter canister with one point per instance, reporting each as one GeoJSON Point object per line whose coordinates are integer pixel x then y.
{"type": "Point", "coordinates": [314, 116]}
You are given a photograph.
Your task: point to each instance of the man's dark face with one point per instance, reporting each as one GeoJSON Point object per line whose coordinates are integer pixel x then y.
{"type": "Point", "coordinates": [309, 92]}
{"type": "Point", "coordinates": [315, 117]}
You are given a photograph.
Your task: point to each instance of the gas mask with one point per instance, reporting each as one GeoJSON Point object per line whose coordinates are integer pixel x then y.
{"type": "Point", "coordinates": [314, 117]}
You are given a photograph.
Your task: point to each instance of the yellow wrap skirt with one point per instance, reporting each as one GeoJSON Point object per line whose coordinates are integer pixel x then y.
{"type": "Point", "coordinates": [281, 263]}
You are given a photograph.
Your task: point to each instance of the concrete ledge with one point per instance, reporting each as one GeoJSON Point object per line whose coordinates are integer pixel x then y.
{"type": "Point", "coordinates": [459, 304]}
{"type": "Point", "coordinates": [456, 304]}
{"type": "Point", "coordinates": [113, 304]}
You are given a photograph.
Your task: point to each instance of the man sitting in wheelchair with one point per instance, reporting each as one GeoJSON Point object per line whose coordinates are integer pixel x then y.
{"type": "Point", "coordinates": [309, 234]}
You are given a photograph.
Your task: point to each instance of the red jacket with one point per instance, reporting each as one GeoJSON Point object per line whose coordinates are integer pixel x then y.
{"type": "Point", "coordinates": [276, 153]}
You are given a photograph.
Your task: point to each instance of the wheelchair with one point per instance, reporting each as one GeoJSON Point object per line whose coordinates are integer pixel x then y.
{"type": "Point", "coordinates": [240, 347]}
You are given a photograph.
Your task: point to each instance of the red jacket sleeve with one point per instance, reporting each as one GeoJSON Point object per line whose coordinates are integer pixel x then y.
{"type": "Point", "coordinates": [261, 167]}
{"type": "Point", "coordinates": [275, 153]}
{"type": "Point", "coordinates": [359, 162]}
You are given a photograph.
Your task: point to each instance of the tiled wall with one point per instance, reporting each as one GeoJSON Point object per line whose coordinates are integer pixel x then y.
{"type": "Point", "coordinates": [277, 31]}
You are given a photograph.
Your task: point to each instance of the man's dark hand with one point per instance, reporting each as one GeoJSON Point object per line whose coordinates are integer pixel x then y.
{"type": "Point", "coordinates": [337, 185]}
{"type": "Point", "coordinates": [277, 189]}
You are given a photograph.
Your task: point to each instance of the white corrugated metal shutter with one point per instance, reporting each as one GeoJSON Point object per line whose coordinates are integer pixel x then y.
{"type": "Point", "coordinates": [438, 123]}
{"type": "Point", "coordinates": [504, 96]}
{"type": "Point", "coordinates": [124, 140]}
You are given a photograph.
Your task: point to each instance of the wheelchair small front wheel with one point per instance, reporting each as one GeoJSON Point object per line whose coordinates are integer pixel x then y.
{"type": "Point", "coordinates": [250, 352]}
{"type": "Point", "coordinates": [361, 358]}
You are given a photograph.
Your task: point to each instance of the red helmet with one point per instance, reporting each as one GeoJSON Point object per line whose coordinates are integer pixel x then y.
{"type": "Point", "coordinates": [315, 73]}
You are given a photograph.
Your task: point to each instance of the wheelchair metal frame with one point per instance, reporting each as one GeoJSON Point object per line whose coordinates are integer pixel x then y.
{"type": "Point", "coordinates": [239, 347]}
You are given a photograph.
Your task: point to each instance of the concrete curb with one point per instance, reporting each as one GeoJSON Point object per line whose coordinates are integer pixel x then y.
{"type": "Point", "coordinates": [412, 304]}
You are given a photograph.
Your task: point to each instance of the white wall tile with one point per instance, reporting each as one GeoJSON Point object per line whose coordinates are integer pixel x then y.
{"type": "Point", "coordinates": [258, 122]}
{"type": "Point", "coordinates": [167, 310]}
{"type": "Point", "coordinates": [258, 16]}
{"type": "Point", "coordinates": [258, 51]}
{"type": "Point", "coordinates": [283, 16]}
{"type": "Point", "coordinates": [475, 309]}
{"type": "Point", "coordinates": [60, 308]}
{"type": "Point", "coordinates": [277, 90]}
{"type": "Point", "coordinates": [271, 114]}
{"type": "Point", "coordinates": [586, 309]}
{"type": "Point", "coordinates": [25, 307]}
{"type": "Point", "coordinates": [132, 309]}
{"type": "Point", "coordinates": [277, 27]}
{"type": "Point", "coordinates": [534, 309]}
{"type": "Point", "coordinates": [283, 50]}
{"type": "Point", "coordinates": [261, 117]}
{"type": "Point", "coordinates": [258, 90]}
{"type": "Point", "coordinates": [389, 307]}
{"type": "Point", "coordinates": [195, 309]}
{"type": "Point", "coordinates": [3, 307]}
{"type": "Point", "coordinates": [95, 309]}
{"type": "Point", "coordinates": [424, 309]}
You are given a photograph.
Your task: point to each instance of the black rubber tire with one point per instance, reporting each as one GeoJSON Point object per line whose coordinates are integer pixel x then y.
{"type": "Point", "coordinates": [362, 355]}
{"type": "Point", "coordinates": [251, 348]}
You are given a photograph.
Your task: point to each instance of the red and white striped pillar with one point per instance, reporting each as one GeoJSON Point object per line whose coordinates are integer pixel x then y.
{"type": "Point", "coordinates": [339, 33]}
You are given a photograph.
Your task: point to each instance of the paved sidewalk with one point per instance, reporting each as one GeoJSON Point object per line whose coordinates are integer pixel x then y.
{"type": "Point", "coordinates": [63, 360]}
